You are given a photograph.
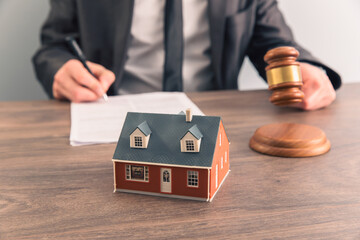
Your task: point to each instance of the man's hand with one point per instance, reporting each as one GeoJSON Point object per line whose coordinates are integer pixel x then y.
{"type": "Point", "coordinates": [73, 82]}
{"type": "Point", "coordinates": [317, 88]}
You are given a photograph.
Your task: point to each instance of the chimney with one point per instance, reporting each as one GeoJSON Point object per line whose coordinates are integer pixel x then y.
{"type": "Point", "coordinates": [188, 115]}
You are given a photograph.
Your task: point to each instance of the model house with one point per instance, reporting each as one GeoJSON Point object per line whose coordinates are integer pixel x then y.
{"type": "Point", "coordinates": [174, 155]}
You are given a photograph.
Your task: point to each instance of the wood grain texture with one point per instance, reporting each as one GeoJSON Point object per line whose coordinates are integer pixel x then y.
{"type": "Point", "coordinates": [50, 190]}
{"type": "Point", "coordinates": [290, 140]}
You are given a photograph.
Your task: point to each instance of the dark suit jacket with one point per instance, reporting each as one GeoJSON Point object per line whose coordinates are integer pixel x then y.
{"type": "Point", "coordinates": [237, 28]}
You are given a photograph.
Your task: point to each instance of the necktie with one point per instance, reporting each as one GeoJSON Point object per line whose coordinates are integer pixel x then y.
{"type": "Point", "coordinates": [173, 44]}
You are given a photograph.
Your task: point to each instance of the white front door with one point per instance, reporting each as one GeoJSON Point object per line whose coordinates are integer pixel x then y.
{"type": "Point", "coordinates": [165, 180]}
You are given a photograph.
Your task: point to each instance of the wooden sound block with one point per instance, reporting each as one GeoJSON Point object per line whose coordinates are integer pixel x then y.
{"type": "Point", "coordinates": [290, 140]}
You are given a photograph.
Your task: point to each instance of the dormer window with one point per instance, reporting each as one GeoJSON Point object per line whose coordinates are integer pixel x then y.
{"type": "Point", "coordinates": [139, 138]}
{"type": "Point", "coordinates": [191, 141]}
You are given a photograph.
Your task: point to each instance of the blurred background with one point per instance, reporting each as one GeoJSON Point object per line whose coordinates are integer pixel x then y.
{"type": "Point", "coordinates": [330, 29]}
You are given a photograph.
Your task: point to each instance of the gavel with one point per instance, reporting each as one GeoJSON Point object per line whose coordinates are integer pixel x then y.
{"type": "Point", "coordinates": [284, 76]}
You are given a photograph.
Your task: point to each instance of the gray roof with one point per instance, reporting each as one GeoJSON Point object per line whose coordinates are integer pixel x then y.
{"type": "Point", "coordinates": [164, 142]}
{"type": "Point", "coordinates": [194, 130]}
{"type": "Point", "coordinates": [144, 128]}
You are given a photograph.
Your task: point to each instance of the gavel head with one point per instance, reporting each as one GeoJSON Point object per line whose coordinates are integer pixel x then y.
{"type": "Point", "coordinates": [284, 76]}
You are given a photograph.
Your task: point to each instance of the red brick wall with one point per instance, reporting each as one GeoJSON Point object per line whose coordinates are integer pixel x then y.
{"type": "Point", "coordinates": [219, 152]}
{"type": "Point", "coordinates": [179, 181]}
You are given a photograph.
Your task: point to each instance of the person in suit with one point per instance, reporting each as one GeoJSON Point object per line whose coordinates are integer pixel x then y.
{"type": "Point", "coordinates": [130, 47]}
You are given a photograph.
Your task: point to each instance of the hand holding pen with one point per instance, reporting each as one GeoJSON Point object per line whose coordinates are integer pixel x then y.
{"type": "Point", "coordinates": [79, 82]}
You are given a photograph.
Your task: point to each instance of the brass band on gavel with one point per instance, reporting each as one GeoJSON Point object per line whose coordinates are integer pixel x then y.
{"type": "Point", "coordinates": [284, 74]}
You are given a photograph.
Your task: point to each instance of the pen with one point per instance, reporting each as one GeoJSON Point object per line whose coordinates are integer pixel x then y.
{"type": "Point", "coordinates": [80, 55]}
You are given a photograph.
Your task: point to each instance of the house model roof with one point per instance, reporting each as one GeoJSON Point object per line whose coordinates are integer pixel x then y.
{"type": "Point", "coordinates": [164, 143]}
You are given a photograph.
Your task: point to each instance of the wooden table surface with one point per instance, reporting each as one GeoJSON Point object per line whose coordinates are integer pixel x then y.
{"type": "Point", "coordinates": [50, 190]}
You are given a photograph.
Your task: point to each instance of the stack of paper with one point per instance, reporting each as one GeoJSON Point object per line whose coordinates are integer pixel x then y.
{"type": "Point", "coordinates": [101, 122]}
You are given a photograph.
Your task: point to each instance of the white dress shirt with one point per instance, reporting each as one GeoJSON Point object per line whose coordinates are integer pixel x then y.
{"type": "Point", "coordinates": [145, 57]}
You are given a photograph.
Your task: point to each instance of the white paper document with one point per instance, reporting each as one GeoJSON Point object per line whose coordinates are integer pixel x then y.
{"type": "Point", "coordinates": [101, 122]}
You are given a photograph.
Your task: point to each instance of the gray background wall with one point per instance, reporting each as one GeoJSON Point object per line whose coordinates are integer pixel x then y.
{"type": "Point", "coordinates": [20, 21]}
{"type": "Point", "coordinates": [330, 29]}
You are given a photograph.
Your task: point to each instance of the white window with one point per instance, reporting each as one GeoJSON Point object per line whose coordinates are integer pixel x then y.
{"type": "Point", "coordinates": [138, 141]}
{"type": "Point", "coordinates": [193, 178]}
{"type": "Point", "coordinates": [216, 176]}
{"type": "Point", "coordinates": [137, 173]}
{"type": "Point", "coordinates": [225, 156]}
{"type": "Point", "coordinates": [222, 162]}
{"type": "Point", "coordinates": [190, 147]}
{"type": "Point", "coordinates": [220, 140]}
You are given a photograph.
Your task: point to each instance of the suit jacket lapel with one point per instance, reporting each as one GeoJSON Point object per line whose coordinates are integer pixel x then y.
{"type": "Point", "coordinates": [217, 26]}
{"type": "Point", "coordinates": [122, 26]}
